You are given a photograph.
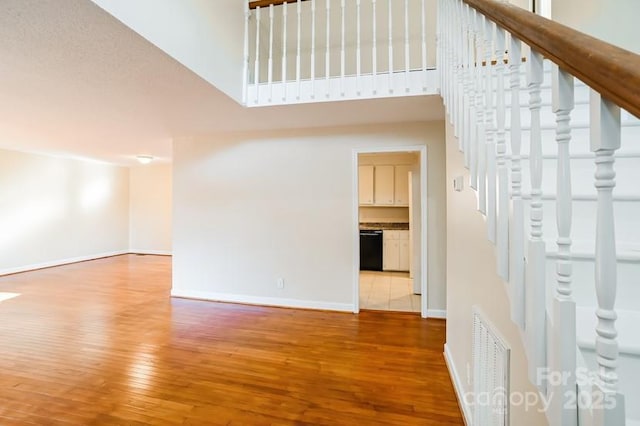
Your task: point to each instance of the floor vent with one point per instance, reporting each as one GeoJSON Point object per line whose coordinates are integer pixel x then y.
{"type": "Point", "coordinates": [490, 374]}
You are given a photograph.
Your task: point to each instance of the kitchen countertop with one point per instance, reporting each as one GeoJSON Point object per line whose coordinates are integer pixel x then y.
{"type": "Point", "coordinates": [370, 226]}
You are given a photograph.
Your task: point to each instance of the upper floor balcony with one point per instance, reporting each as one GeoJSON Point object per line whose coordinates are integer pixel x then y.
{"type": "Point", "coordinates": [330, 50]}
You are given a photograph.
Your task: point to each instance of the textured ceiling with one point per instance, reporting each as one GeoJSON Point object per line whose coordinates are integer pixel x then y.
{"type": "Point", "coordinates": [75, 81]}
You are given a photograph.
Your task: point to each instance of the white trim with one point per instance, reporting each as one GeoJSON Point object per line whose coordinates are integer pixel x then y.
{"type": "Point", "coordinates": [355, 243]}
{"type": "Point", "coordinates": [60, 262]}
{"type": "Point", "coordinates": [424, 223]}
{"type": "Point", "coordinates": [457, 385]}
{"type": "Point", "coordinates": [152, 252]}
{"type": "Point", "coordinates": [316, 90]}
{"type": "Point", "coordinates": [422, 149]}
{"type": "Point", "coordinates": [437, 313]}
{"type": "Point", "coordinates": [259, 300]}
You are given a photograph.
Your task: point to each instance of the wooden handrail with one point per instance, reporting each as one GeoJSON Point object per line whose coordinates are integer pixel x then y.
{"type": "Point", "coordinates": [267, 3]}
{"type": "Point", "coordinates": [612, 71]}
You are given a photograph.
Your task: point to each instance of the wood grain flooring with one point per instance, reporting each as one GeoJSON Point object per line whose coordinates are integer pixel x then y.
{"type": "Point", "coordinates": [102, 343]}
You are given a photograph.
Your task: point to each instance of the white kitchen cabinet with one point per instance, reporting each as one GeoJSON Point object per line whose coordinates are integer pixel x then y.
{"type": "Point", "coordinates": [395, 250]}
{"type": "Point", "coordinates": [390, 255]}
{"type": "Point", "coordinates": [401, 186]}
{"type": "Point", "coordinates": [365, 185]}
{"type": "Point", "coordinates": [404, 255]}
{"type": "Point", "coordinates": [384, 185]}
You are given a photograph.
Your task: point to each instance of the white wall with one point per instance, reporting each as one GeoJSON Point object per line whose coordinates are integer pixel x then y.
{"type": "Point", "coordinates": [54, 210]}
{"type": "Point", "coordinates": [250, 208]}
{"type": "Point", "coordinates": [150, 209]}
{"type": "Point", "coordinates": [611, 21]}
{"type": "Point", "coordinates": [472, 280]}
{"type": "Point", "coordinates": [205, 36]}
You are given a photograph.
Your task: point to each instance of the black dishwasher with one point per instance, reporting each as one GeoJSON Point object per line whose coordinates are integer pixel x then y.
{"type": "Point", "coordinates": [370, 250]}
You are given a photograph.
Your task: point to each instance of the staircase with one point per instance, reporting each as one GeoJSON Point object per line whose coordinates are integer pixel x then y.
{"type": "Point", "coordinates": [554, 166]}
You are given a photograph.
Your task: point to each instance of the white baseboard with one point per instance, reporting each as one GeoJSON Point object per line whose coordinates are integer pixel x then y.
{"type": "Point", "coordinates": [60, 262]}
{"type": "Point", "coordinates": [459, 388]}
{"type": "Point", "coordinates": [257, 300]}
{"type": "Point", "coordinates": [437, 313]}
{"type": "Point", "coordinates": [151, 252]}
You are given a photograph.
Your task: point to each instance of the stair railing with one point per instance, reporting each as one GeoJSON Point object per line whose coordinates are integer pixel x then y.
{"type": "Point", "coordinates": [482, 45]}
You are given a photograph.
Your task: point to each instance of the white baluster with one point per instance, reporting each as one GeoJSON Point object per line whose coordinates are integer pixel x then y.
{"type": "Point", "coordinates": [464, 88]}
{"type": "Point", "coordinates": [270, 63]}
{"type": "Point", "coordinates": [536, 253]}
{"type": "Point", "coordinates": [535, 76]}
{"type": "Point", "coordinates": [342, 52]}
{"type": "Point", "coordinates": [441, 65]}
{"type": "Point", "coordinates": [477, 120]}
{"type": "Point", "coordinates": [245, 62]}
{"type": "Point", "coordinates": [516, 229]}
{"type": "Point", "coordinates": [502, 230]}
{"type": "Point", "coordinates": [423, 28]}
{"type": "Point", "coordinates": [298, 71]}
{"type": "Point", "coordinates": [454, 65]}
{"type": "Point", "coordinates": [327, 55]}
{"type": "Point", "coordinates": [564, 314]}
{"type": "Point", "coordinates": [470, 122]}
{"type": "Point", "coordinates": [358, 54]}
{"type": "Point", "coordinates": [390, 47]}
{"type": "Point", "coordinates": [407, 63]}
{"type": "Point", "coordinates": [490, 127]}
{"type": "Point", "coordinates": [257, 63]}
{"type": "Point", "coordinates": [374, 52]}
{"type": "Point", "coordinates": [454, 51]}
{"type": "Point", "coordinates": [313, 49]}
{"type": "Point", "coordinates": [467, 99]}
{"type": "Point", "coordinates": [448, 70]}
{"type": "Point", "coordinates": [605, 141]}
{"type": "Point", "coordinates": [459, 55]}
{"type": "Point", "coordinates": [451, 46]}
{"type": "Point", "coordinates": [483, 55]}
{"type": "Point", "coordinates": [473, 106]}
{"type": "Point", "coordinates": [284, 51]}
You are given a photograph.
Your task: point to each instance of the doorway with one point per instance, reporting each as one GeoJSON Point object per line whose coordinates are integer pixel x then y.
{"type": "Point", "coordinates": [390, 222]}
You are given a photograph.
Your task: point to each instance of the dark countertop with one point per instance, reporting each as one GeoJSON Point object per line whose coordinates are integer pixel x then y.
{"type": "Point", "coordinates": [370, 226]}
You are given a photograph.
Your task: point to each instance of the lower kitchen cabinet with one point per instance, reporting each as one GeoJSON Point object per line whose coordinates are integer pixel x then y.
{"type": "Point", "coordinates": [395, 251]}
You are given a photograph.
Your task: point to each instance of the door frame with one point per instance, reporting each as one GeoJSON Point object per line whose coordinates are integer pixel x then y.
{"type": "Point", "coordinates": [422, 149]}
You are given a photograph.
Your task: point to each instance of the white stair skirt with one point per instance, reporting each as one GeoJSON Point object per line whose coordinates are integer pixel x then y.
{"type": "Point", "coordinates": [385, 85]}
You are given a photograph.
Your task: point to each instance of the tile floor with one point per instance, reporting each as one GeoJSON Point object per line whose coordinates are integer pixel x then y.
{"type": "Point", "coordinates": [388, 291]}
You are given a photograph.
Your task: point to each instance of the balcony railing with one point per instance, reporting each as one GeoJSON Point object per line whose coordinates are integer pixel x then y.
{"type": "Point", "coordinates": [327, 50]}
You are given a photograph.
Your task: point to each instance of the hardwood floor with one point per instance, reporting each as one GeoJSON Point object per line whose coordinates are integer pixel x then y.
{"type": "Point", "coordinates": [102, 343]}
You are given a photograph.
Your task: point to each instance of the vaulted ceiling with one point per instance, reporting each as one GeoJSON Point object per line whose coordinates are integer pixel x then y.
{"type": "Point", "coordinates": [75, 81]}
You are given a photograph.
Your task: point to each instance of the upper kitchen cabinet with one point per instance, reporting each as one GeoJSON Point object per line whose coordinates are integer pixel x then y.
{"type": "Point", "coordinates": [384, 185]}
{"type": "Point", "coordinates": [365, 185]}
{"type": "Point", "coordinates": [401, 185]}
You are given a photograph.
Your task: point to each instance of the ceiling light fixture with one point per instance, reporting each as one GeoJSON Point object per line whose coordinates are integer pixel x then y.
{"type": "Point", "coordinates": [144, 159]}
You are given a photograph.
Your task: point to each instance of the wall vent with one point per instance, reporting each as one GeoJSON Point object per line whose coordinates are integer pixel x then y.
{"type": "Point", "coordinates": [490, 374]}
